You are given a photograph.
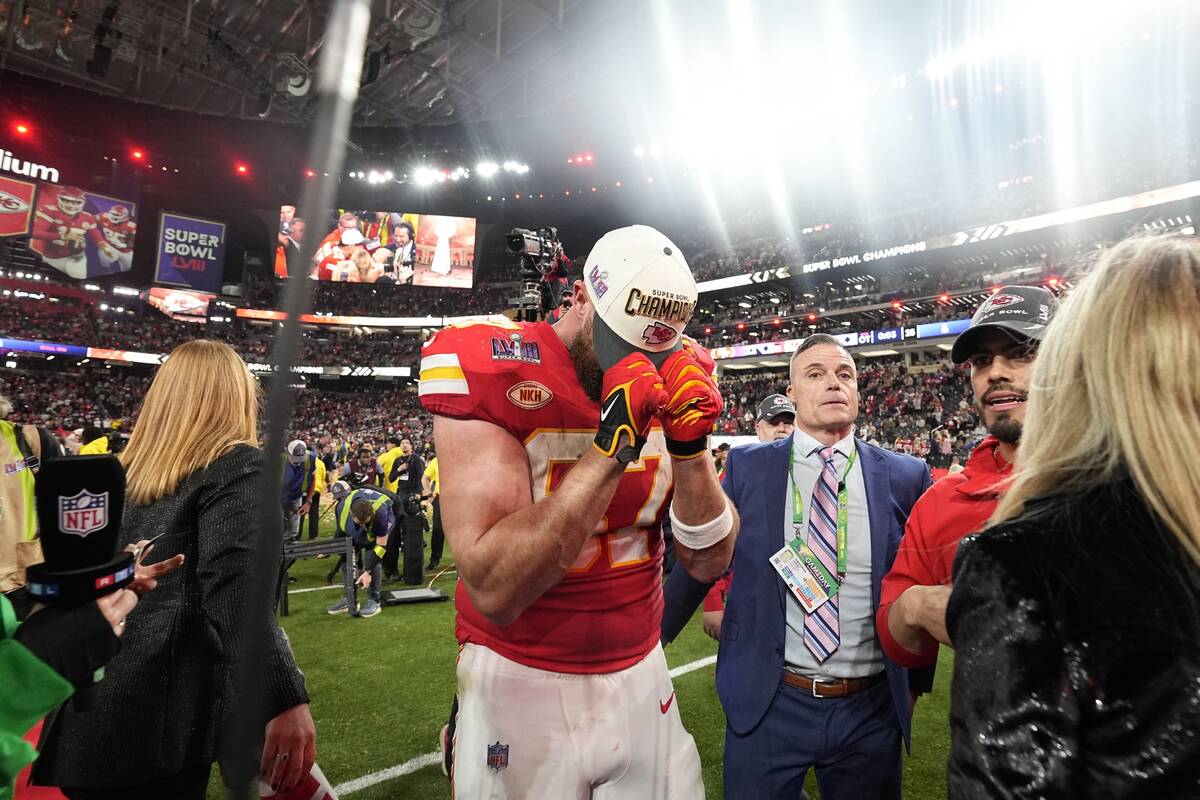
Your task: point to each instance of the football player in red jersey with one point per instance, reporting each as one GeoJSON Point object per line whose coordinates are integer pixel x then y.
{"type": "Point", "coordinates": [560, 447]}
{"type": "Point", "coordinates": [116, 239]}
{"type": "Point", "coordinates": [60, 232]}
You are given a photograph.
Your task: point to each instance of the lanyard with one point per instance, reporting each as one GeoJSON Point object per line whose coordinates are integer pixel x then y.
{"type": "Point", "coordinates": [843, 503]}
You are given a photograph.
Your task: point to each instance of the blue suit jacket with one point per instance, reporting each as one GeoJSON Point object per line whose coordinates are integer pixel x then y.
{"type": "Point", "coordinates": [750, 658]}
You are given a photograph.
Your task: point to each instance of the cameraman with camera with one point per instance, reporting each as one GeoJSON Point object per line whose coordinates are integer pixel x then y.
{"type": "Point", "coordinates": [401, 470]}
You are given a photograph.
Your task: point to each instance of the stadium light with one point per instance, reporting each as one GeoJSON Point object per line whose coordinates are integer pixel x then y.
{"type": "Point", "coordinates": [425, 176]}
{"type": "Point", "coordinates": [310, 173]}
{"type": "Point", "coordinates": [741, 326]}
{"type": "Point", "coordinates": [812, 317]}
{"type": "Point", "coordinates": [1053, 282]}
{"type": "Point", "coordinates": [486, 169]}
{"type": "Point", "coordinates": [137, 154]}
{"type": "Point", "coordinates": [639, 151]}
{"type": "Point", "coordinates": [387, 176]}
{"type": "Point", "coordinates": [943, 298]}
{"type": "Point", "coordinates": [897, 305]}
{"type": "Point", "coordinates": [242, 169]}
{"type": "Point", "coordinates": [22, 129]}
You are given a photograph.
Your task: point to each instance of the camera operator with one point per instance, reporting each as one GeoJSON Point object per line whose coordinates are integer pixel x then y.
{"type": "Point", "coordinates": [431, 488]}
{"type": "Point", "coordinates": [402, 470]}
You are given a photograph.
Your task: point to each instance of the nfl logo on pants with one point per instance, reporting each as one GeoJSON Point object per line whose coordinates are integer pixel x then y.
{"type": "Point", "coordinates": [497, 756]}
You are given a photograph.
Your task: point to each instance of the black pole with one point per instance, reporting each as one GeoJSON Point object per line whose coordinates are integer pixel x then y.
{"type": "Point", "coordinates": [336, 86]}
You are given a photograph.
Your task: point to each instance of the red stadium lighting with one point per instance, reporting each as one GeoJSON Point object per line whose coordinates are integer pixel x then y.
{"type": "Point", "coordinates": [812, 317]}
{"type": "Point", "coordinates": [897, 305]}
{"type": "Point", "coordinates": [588, 158]}
{"type": "Point", "coordinates": [1053, 281]}
{"type": "Point", "coordinates": [22, 129]}
{"type": "Point", "coordinates": [137, 155]}
{"type": "Point", "coordinates": [708, 330]}
{"type": "Point", "coordinates": [741, 326]}
{"type": "Point", "coordinates": [995, 289]}
{"type": "Point", "coordinates": [242, 169]}
{"type": "Point", "coordinates": [309, 173]}
{"type": "Point", "coordinates": [943, 298]}
{"type": "Point", "coordinates": [777, 322]}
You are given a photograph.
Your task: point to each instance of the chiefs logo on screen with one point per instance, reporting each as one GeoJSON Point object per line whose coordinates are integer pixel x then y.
{"type": "Point", "coordinates": [530, 395]}
{"type": "Point", "coordinates": [10, 204]}
{"type": "Point", "coordinates": [657, 333]}
{"type": "Point", "coordinates": [1001, 300]}
{"type": "Point", "coordinates": [16, 206]}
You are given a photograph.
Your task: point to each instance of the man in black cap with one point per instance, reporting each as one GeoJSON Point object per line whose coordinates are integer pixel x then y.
{"type": "Point", "coordinates": [776, 418]}
{"type": "Point", "coordinates": [1000, 346]}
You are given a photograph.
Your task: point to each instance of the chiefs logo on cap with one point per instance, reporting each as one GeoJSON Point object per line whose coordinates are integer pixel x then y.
{"type": "Point", "coordinates": [657, 333]}
{"type": "Point", "coordinates": [1000, 300]}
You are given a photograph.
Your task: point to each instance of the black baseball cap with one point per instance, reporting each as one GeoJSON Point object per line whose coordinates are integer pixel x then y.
{"type": "Point", "coordinates": [773, 405]}
{"type": "Point", "coordinates": [1023, 312]}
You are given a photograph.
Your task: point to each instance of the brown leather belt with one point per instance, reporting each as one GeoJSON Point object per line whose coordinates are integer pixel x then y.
{"type": "Point", "coordinates": [831, 687]}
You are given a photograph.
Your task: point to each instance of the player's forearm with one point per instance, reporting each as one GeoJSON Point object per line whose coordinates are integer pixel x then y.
{"type": "Point", "coordinates": [521, 557]}
{"type": "Point", "coordinates": [905, 622]}
{"type": "Point", "coordinates": [699, 499]}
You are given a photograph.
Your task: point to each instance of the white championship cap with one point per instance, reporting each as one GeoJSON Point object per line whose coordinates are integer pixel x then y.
{"type": "Point", "coordinates": [643, 291]}
{"type": "Point", "coordinates": [296, 450]}
{"type": "Point", "coordinates": [351, 237]}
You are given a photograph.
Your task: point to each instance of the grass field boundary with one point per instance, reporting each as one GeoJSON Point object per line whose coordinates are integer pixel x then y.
{"type": "Point", "coordinates": [435, 758]}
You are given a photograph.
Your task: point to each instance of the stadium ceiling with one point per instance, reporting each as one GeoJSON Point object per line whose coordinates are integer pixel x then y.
{"type": "Point", "coordinates": [430, 62]}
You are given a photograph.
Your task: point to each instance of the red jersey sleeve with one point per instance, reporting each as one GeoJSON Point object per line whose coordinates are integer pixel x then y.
{"type": "Point", "coordinates": [911, 568]}
{"type": "Point", "coordinates": [460, 379]}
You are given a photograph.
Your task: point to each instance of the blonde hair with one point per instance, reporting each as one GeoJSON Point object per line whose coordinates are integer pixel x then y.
{"type": "Point", "coordinates": [203, 402]}
{"type": "Point", "coordinates": [1116, 386]}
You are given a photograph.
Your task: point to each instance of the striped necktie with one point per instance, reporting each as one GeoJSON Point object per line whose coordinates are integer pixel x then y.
{"type": "Point", "coordinates": [822, 634]}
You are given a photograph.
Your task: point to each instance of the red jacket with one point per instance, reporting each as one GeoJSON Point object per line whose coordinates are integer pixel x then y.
{"type": "Point", "coordinates": [950, 509]}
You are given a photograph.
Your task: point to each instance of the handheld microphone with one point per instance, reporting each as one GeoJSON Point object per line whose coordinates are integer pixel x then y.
{"type": "Point", "coordinates": [80, 501]}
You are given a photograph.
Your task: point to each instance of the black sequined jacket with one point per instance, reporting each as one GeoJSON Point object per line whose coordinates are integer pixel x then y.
{"type": "Point", "coordinates": [166, 697]}
{"type": "Point", "coordinates": [1077, 655]}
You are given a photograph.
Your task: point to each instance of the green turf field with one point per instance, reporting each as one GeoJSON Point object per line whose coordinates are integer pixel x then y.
{"type": "Point", "coordinates": [381, 690]}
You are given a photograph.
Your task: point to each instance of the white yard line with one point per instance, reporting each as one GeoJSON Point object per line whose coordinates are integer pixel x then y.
{"type": "Point", "coordinates": [435, 758]}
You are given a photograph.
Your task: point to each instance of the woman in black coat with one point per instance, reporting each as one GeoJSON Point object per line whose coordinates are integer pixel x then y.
{"type": "Point", "coordinates": [161, 713]}
{"type": "Point", "coordinates": [1076, 616]}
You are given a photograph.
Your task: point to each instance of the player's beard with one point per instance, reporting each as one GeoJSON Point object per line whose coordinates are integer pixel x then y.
{"type": "Point", "coordinates": [1006, 429]}
{"type": "Point", "coordinates": [587, 368]}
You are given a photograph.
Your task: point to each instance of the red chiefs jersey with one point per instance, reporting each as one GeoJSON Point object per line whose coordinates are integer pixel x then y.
{"type": "Point", "coordinates": [119, 236]}
{"type": "Point", "coordinates": [605, 614]}
{"type": "Point", "coordinates": [51, 225]}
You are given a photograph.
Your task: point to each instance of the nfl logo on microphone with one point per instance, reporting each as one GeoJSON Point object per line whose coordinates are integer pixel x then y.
{"type": "Point", "coordinates": [83, 513]}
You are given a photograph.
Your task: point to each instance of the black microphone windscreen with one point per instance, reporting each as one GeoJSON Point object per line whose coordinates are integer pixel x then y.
{"type": "Point", "coordinates": [80, 502]}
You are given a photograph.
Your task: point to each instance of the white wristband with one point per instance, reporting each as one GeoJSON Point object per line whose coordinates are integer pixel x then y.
{"type": "Point", "coordinates": [698, 537]}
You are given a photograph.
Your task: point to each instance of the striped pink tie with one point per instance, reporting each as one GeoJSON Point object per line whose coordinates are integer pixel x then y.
{"type": "Point", "coordinates": [821, 632]}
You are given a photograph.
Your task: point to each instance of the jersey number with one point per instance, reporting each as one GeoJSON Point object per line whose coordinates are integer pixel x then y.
{"type": "Point", "coordinates": [623, 535]}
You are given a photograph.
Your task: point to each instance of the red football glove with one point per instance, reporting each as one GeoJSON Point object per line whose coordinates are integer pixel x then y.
{"type": "Point", "coordinates": [633, 397]}
{"type": "Point", "coordinates": [693, 402]}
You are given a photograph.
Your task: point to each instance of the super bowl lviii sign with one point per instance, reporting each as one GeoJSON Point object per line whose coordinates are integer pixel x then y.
{"type": "Point", "coordinates": [191, 252]}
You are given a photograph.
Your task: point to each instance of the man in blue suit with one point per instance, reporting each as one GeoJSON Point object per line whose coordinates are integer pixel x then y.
{"type": "Point", "coordinates": [800, 672]}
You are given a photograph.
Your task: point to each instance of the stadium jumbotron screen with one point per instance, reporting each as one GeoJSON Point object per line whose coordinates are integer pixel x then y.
{"type": "Point", "coordinates": [384, 247]}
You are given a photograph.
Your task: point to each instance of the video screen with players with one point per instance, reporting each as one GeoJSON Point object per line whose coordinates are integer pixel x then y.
{"type": "Point", "coordinates": [382, 247]}
{"type": "Point", "coordinates": [82, 234]}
